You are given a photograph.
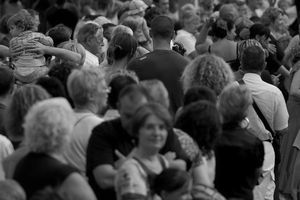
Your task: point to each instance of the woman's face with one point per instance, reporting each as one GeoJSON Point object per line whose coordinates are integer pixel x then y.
{"type": "Point", "coordinates": [184, 193]}
{"type": "Point", "coordinates": [153, 134]}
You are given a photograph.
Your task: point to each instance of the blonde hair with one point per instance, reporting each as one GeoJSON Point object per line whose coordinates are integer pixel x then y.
{"type": "Point", "coordinates": [22, 19]}
{"type": "Point", "coordinates": [48, 126]}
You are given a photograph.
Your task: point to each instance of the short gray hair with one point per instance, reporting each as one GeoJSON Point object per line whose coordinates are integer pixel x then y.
{"type": "Point", "coordinates": [48, 125]}
{"type": "Point", "coordinates": [234, 102]}
{"type": "Point", "coordinates": [207, 70]}
{"type": "Point", "coordinates": [82, 83]}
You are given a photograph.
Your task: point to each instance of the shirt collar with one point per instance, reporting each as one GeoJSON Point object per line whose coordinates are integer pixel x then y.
{"type": "Point", "coordinates": [252, 76]}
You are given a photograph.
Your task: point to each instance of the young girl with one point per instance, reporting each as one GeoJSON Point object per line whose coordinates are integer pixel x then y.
{"type": "Point", "coordinates": [136, 19]}
{"type": "Point", "coordinates": [28, 65]}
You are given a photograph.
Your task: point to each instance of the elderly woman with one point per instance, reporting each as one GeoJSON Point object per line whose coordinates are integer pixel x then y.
{"type": "Point", "coordinates": [239, 154]}
{"type": "Point", "coordinates": [89, 93]}
{"type": "Point", "coordinates": [43, 166]}
{"type": "Point", "coordinates": [149, 125]}
{"type": "Point", "coordinates": [202, 121]}
{"type": "Point", "coordinates": [207, 70]}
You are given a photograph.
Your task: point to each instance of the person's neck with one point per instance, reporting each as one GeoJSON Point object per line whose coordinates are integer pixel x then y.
{"type": "Point", "coordinates": [159, 44]}
{"type": "Point", "coordinates": [90, 108]}
{"type": "Point", "coordinates": [146, 154]}
{"type": "Point", "coordinates": [58, 156]}
{"type": "Point", "coordinates": [120, 64]}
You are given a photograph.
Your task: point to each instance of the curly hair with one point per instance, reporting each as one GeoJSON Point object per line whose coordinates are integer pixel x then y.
{"type": "Point", "coordinates": [202, 121]}
{"type": "Point", "coordinates": [22, 99]}
{"type": "Point", "coordinates": [22, 19]}
{"type": "Point", "coordinates": [48, 125]}
{"type": "Point", "coordinates": [270, 15]}
{"type": "Point", "coordinates": [207, 70]}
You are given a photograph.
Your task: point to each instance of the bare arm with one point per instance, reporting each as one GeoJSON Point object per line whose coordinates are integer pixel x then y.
{"type": "Point", "coordinates": [57, 52]}
{"type": "Point", "coordinates": [202, 43]}
{"type": "Point", "coordinates": [75, 187]}
{"type": "Point", "coordinates": [4, 51]}
{"type": "Point", "coordinates": [105, 176]}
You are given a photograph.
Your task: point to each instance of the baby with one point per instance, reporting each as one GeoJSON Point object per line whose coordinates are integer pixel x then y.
{"type": "Point", "coordinates": [28, 65]}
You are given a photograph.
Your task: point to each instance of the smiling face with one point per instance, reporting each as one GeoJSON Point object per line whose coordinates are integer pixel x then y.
{"type": "Point", "coordinates": [153, 134]}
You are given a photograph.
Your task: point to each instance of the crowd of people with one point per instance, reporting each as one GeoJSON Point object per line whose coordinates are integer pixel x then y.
{"type": "Point", "coordinates": [149, 99]}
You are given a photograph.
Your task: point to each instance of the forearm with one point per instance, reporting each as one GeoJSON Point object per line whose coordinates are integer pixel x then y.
{"type": "Point", "coordinates": [202, 36]}
{"type": "Point", "coordinates": [63, 54]}
{"type": "Point", "coordinates": [4, 51]}
{"type": "Point", "coordinates": [105, 177]}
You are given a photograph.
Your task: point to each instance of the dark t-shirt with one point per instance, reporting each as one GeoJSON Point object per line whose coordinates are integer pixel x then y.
{"type": "Point", "coordinates": [110, 136]}
{"type": "Point", "coordinates": [239, 155]}
{"type": "Point", "coordinates": [166, 66]}
{"type": "Point", "coordinates": [2, 112]}
{"type": "Point", "coordinates": [37, 171]}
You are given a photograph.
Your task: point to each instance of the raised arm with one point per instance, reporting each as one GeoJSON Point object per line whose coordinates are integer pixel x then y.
{"type": "Point", "coordinates": [202, 43]}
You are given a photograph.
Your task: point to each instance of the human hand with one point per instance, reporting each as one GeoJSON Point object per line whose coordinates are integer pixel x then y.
{"type": "Point", "coordinates": [272, 48]}
{"type": "Point", "coordinates": [37, 48]}
{"type": "Point", "coordinates": [170, 156]}
{"type": "Point", "coordinates": [121, 159]}
{"type": "Point", "coordinates": [276, 79]}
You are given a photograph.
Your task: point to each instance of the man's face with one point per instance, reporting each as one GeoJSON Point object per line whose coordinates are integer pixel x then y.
{"type": "Point", "coordinates": [127, 109]}
{"type": "Point", "coordinates": [164, 6]}
{"type": "Point", "coordinates": [96, 43]}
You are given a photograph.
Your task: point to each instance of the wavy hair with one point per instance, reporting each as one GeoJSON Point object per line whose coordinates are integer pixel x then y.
{"type": "Point", "coordinates": [48, 125]}
{"type": "Point", "coordinates": [207, 70]}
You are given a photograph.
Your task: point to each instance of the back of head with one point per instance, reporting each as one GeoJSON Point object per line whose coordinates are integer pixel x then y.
{"type": "Point", "coordinates": [82, 84]}
{"type": "Point", "coordinates": [118, 83]}
{"type": "Point", "coordinates": [134, 93]}
{"type": "Point", "coordinates": [221, 27]}
{"type": "Point", "coordinates": [52, 133]}
{"type": "Point", "coordinates": [151, 13]}
{"type": "Point", "coordinates": [52, 85]}
{"type": "Point", "coordinates": [122, 46]}
{"type": "Point", "coordinates": [60, 33]}
{"type": "Point", "coordinates": [121, 29]}
{"type": "Point", "coordinates": [234, 102]}
{"type": "Point", "coordinates": [202, 121]}
{"type": "Point", "coordinates": [7, 81]}
{"type": "Point", "coordinates": [22, 20]}
{"type": "Point", "coordinates": [11, 190]}
{"type": "Point", "coordinates": [229, 12]}
{"type": "Point", "coordinates": [253, 59]}
{"type": "Point", "coordinates": [170, 180]}
{"type": "Point", "coordinates": [245, 44]}
{"type": "Point", "coordinates": [259, 29]}
{"type": "Point", "coordinates": [157, 91]}
{"type": "Point", "coordinates": [162, 27]}
{"type": "Point", "coordinates": [198, 93]}
{"type": "Point", "coordinates": [22, 99]}
{"type": "Point", "coordinates": [207, 70]}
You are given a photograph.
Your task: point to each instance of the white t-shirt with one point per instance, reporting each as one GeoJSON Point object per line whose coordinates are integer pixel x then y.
{"type": "Point", "coordinates": [75, 154]}
{"type": "Point", "coordinates": [187, 39]}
